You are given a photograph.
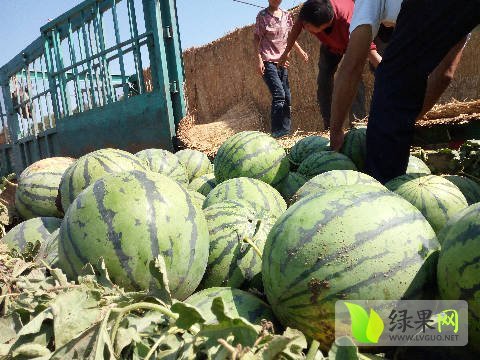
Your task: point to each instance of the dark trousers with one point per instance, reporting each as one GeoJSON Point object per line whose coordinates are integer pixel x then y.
{"type": "Point", "coordinates": [277, 81]}
{"type": "Point", "coordinates": [327, 66]}
{"type": "Point", "coordinates": [425, 32]}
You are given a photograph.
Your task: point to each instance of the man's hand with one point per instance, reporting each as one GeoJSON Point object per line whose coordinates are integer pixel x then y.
{"type": "Point", "coordinates": [260, 67]}
{"type": "Point", "coordinates": [304, 56]}
{"type": "Point", "coordinates": [336, 139]}
{"type": "Point", "coordinates": [284, 59]}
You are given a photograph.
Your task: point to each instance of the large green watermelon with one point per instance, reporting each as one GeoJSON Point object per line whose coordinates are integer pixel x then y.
{"type": "Point", "coordinates": [458, 272]}
{"type": "Point", "coordinates": [355, 146]}
{"type": "Point", "coordinates": [233, 261]}
{"type": "Point", "coordinates": [93, 166]}
{"type": "Point", "coordinates": [324, 161]}
{"type": "Point", "coordinates": [251, 154]}
{"type": "Point", "coordinates": [129, 219]}
{"type": "Point", "coordinates": [290, 185]}
{"type": "Point", "coordinates": [417, 166]}
{"type": "Point", "coordinates": [238, 303]}
{"type": "Point", "coordinates": [27, 237]}
{"type": "Point", "coordinates": [333, 179]}
{"type": "Point", "coordinates": [204, 184]}
{"type": "Point", "coordinates": [164, 162]}
{"type": "Point", "coordinates": [38, 188]}
{"type": "Point", "coordinates": [437, 198]}
{"type": "Point", "coordinates": [354, 242]}
{"type": "Point", "coordinates": [195, 162]}
{"type": "Point", "coordinates": [469, 188]}
{"type": "Point", "coordinates": [254, 191]}
{"type": "Point", "coordinates": [306, 147]}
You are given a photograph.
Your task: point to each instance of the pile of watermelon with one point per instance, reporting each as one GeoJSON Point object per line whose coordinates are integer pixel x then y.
{"type": "Point", "coordinates": [277, 235]}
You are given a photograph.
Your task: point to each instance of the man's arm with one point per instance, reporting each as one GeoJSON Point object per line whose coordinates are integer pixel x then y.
{"type": "Point", "coordinates": [374, 58]}
{"type": "Point", "coordinates": [292, 39]}
{"type": "Point", "coordinates": [302, 52]}
{"type": "Point", "coordinates": [346, 81]}
{"type": "Point", "coordinates": [442, 76]}
{"type": "Point", "coordinates": [260, 65]}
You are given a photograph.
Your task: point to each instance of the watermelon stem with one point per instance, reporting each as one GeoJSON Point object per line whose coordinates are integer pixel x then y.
{"type": "Point", "coordinates": [312, 352]}
{"type": "Point", "coordinates": [154, 347]}
{"type": "Point", "coordinates": [253, 245]}
{"type": "Point", "coordinates": [122, 312]}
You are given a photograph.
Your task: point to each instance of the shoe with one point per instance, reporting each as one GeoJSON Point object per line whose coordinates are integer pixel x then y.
{"type": "Point", "coordinates": [280, 133]}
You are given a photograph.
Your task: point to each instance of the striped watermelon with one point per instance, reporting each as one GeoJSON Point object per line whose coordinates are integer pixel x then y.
{"type": "Point", "coordinates": [26, 238]}
{"type": "Point", "coordinates": [93, 166]}
{"type": "Point", "coordinates": [354, 242]}
{"type": "Point", "coordinates": [233, 261]}
{"type": "Point", "coordinates": [251, 154]}
{"type": "Point", "coordinates": [289, 186]}
{"type": "Point", "coordinates": [306, 147]}
{"type": "Point", "coordinates": [324, 161]}
{"type": "Point", "coordinates": [437, 198]}
{"type": "Point", "coordinates": [238, 303]}
{"type": "Point", "coordinates": [164, 162]}
{"type": "Point", "coordinates": [458, 271]}
{"type": "Point", "coordinates": [129, 219]}
{"type": "Point", "coordinates": [333, 179]}
{"type": "Point", "coordinates": [469, 188]}
{"type": "Point", "coordinates": [38, 185]}
{"type": "Point", "coordinates": [195, 162]}
{"type": "Point", "coordinates": [254, 191]}
{"type": "Point", "coordinates": [204, 184]}
{"type": "Point", "coordinates": [417, 166]}
{"type": "Point", "coordinates": [355, 146]}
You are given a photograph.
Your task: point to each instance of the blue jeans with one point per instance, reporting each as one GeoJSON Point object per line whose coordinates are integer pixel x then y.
{"type": "Point", "coordinates": [277, 82]}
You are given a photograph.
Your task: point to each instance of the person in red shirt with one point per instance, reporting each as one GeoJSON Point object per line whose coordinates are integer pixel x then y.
{"type": "Point", "coordinates": [329, 21]}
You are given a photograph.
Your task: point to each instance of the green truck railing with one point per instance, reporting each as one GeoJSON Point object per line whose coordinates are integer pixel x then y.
{"type": "Point", "coordinates": [107, 73]}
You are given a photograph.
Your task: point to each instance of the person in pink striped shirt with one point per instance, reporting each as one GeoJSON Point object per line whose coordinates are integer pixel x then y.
{"type": "Point", "coordinates": [270, 40]}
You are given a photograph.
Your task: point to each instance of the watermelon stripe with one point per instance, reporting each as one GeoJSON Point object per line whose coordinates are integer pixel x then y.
{"type": "Point", "coordinates": [237, 258]}
{"type": "Point", "coordinates": [453, 193]}
{"type": "Point", "coordinates": [40, 186]}
{"type": "Point", "coordinates": [372, 279]}
{"type": "Point", "coordinates": [330, 214]}
{"type": "Point", "coordinates": [360, 262]}
{"type": "Point", "coordinates": [360, 239]}
{"type": "Point", "coordinates": [272, 166]}
{"type": "Point", "coordinates": [231, 166]}
{"type": "Point", "coordinates": [466, 264]}
{"type": "Point", "coordinates": [67, 265]}
{"type": "Point", "coordinates": [152, 195]}
{"type": "Point", "coordinates": [463, 237]}
{"type": "Point", "coordinates": [69, 174]}
{"type": "Point", "coordinates": [197, 169]}
{"type": "Point", "coordinates": [76, 251]}
{"type": "Point", "coordinates": [126, 156]}
{"type": "Point", "coordinates": [239, 144]}
{"type": "Point", "coordinates": [114, 238]}
{"type": "Point", "coordinates": [224, 226]}
{"type": "Point", "coordinates": [226, 250]}
{"type": "Point", "coordinates": [102, 160]}
{"type": "Point", "coordinates": [20, 237]}
{"type": "Point", "coordinates": [24, 204]}
{"type": "Point", "coordinates": [34, 196]}
{"type": "Point", "coordinates": [192, 213]}
{"type": "Point", "coordinates": [232, 147]}
{"type": "Point", "coordinates": [266, 203]}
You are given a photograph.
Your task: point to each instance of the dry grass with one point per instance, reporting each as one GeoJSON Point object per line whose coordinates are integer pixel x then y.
{"type": "Point", "coordinates": [221, 74]}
